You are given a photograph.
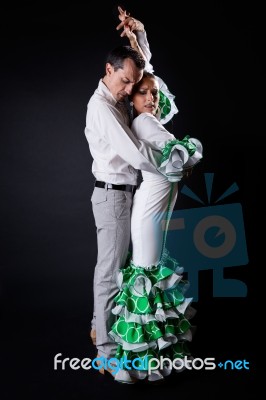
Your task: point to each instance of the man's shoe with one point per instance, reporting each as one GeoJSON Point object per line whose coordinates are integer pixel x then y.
{"type": "Point", "coordinates": [93, 336]}
{"type": "Point", "coordinates": [103, 370]}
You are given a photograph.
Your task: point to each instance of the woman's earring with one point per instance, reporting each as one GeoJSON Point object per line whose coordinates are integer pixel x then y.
{"type": "Point", "coordinates": [158, 113]}
{"type": "Point", "coordinates": [131, 110]}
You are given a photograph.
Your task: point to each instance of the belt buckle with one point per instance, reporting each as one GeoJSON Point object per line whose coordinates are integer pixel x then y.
{"type": "Point", "coordinates": [109, 186]}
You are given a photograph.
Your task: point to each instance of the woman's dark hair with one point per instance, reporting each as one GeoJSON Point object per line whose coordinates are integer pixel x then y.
{"type": "Point", "coordinates": [117, 56]}
{"type": "Point", "coordinates": [146, 74]}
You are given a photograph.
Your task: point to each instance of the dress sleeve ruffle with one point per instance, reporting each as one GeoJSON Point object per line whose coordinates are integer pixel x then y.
{"type": "Point", "coordinates": [179, 155]}
{"type": "Point", "coordinates": [167, 108]}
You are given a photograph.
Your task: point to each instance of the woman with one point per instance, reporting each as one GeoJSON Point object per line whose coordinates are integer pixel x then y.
{"type": "Point", "coordinates": [153, 313]}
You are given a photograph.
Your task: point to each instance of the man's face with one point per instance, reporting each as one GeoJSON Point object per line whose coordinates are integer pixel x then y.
{"type": "Point", "coordinates": [121, 82]}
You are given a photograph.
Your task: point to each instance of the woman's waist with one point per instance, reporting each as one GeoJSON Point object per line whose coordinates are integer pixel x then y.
{"type": "Point", "coordinates": [150, 176]}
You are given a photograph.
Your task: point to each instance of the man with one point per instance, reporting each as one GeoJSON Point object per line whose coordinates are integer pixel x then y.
{"type": "Point", "coordinates": [117, 155]}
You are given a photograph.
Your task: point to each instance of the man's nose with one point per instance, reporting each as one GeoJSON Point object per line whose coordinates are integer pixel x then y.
{"type": "Point", "coordinates": [129, 89]}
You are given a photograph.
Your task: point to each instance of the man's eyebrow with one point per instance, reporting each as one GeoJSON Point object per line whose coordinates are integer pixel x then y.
{"type": "Point", "coordinates": [127, 79]}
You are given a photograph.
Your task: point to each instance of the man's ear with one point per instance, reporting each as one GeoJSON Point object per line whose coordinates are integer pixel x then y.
{"type": "Point", "coordinates": [109, 69]}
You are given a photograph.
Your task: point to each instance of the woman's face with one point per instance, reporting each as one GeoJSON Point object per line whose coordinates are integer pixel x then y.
{"type": "Point", "coordinates": [146, 98]}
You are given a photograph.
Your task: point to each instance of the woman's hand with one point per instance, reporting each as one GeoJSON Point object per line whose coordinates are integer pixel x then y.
{"type": "Point", "coordinates": [130, 34]}
{"type": "Point", "coordinates": [128, 23]}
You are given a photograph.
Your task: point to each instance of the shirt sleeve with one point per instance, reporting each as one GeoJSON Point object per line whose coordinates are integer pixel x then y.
{"type": "Point", "coordinates": [121, 139]}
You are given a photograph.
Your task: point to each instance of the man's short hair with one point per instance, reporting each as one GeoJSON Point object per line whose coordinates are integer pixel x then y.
{"type": "Point", "coordinates": [117, 56]}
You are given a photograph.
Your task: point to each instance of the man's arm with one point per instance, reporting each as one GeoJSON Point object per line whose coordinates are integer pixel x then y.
{"type": "Point", "coordinates": [107, 123]}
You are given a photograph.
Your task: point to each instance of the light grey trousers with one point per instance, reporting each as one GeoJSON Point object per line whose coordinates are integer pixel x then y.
{"type": "Point", "coordinates": [112, 214]}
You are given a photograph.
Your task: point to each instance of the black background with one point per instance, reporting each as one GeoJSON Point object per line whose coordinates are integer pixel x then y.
{"type": "Point", "coordinates": [52, 57]}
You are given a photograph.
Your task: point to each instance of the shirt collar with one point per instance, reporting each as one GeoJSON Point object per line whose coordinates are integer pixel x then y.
{"type": "Point", "coordinates": [104, 91]}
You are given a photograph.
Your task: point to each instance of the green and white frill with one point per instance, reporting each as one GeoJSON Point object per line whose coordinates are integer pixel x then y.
{"type": "Point", "coordinates": [152, 314]}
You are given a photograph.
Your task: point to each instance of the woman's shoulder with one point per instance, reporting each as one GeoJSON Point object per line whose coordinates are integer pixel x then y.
{"type": "Point", "coordinates": [148, 127]}
{"type": "Point", "coordinates": [143, 124]}
{"type": "Point", "coordinates": [144, 117]}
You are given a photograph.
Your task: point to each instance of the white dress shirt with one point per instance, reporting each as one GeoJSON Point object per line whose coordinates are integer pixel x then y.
{"type": "Point", "coordinates": [117, 153]}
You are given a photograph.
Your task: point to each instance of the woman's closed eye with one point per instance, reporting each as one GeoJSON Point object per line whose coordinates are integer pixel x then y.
{"type": "Point", "coordinates": [145, 92]}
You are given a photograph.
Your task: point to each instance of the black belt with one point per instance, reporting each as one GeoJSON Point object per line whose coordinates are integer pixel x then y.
{"type": "Point", "coordinates": [125, 188]}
